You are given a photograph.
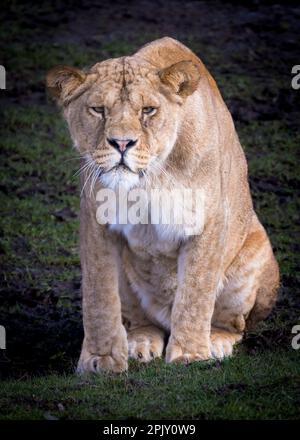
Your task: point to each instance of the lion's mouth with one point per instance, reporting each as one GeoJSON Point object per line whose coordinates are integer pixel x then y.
{"type": "Point", "coordinates": [121, 166]}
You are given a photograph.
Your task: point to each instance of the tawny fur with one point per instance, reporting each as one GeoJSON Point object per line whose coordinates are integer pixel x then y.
{"type": "Point", "coordinates": [145, 284]}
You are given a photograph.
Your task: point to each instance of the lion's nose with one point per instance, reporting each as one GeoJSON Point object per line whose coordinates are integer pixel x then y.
{"type": "Point", "coordinates": [121, 144]}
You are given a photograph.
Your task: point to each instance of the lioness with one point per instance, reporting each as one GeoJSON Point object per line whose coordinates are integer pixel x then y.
{"type": "Point", "coordinates": [157, 119]}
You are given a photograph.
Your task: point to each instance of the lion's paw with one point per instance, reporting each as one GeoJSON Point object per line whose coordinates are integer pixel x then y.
{"type": "Point", "coordinates": [116, 361]}
{"type": "Point", "coordinates": [144, 345]}
{"type": "Point", "coordinates": [179, 354]}
{"type": "Point", "coordinates": [92, 363]}
{"type": "Point", "coordinates": [222, 343]}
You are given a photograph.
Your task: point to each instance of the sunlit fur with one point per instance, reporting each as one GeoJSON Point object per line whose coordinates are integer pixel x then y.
{"type": "Point", "coordinates": [141, 283]}
{"type": "Point", "coordinates": [123, 87]}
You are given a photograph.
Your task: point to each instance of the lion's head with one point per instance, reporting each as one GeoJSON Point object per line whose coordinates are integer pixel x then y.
{"type": "Point", "coordinates": [125, 113]}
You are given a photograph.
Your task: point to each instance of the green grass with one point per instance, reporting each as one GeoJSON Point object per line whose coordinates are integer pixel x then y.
{"type": "Point", "coordinates": [33, 169]}
{"type": "Point", "coordinates": [40, 270]}
{"type": "Point", "coordinates": [243, 387]}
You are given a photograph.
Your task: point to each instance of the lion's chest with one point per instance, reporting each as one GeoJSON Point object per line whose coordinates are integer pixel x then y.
{"type": "Point", "coordinates": [150, 263]}
{"type": "Point", "coordinates": [154, 240]}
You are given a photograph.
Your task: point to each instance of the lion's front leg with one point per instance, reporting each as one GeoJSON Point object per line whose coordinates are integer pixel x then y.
{"type": "Point", "coordinates": [190, 331]}
{"type": "Point", "coordinates": [114, 359]}
{"type": "Point", "coordinates": [105, 345]}
{"type": "Point", "coordinates": [198, 269]}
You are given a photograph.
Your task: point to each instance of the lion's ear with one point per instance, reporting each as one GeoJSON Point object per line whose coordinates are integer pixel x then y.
{"type": "Point", "coordinates": [63, 82]}
{"type": "Point", "coordinates": [182, 77]}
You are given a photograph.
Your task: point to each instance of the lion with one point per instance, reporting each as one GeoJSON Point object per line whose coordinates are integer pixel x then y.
{"type": "Point", "coordinates": [156, 119]}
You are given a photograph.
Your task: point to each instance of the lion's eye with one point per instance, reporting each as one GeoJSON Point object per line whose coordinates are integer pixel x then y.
{"type": "Point", "coordinates": [149, 110]}
{"type": "Point", "coordinates": [98, 110]}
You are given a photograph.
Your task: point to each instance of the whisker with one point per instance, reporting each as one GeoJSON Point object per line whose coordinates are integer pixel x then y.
{"type": "Point", "coordinates": [79, 156]}
{"type": "Point", "coordinates": [85, 166]}
{"type": "Point", "coordinates": [94, 179]}
{"type": "Point", "coordinates": [93, 165]}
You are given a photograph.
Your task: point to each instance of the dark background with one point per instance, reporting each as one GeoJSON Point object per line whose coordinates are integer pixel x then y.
{"type": "Point", "coordinates": [249, 48]}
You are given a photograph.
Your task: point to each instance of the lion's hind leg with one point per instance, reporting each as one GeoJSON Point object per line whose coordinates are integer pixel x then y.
{"type": "Point", "coordinates": [145, 343]}
{"type": "Point", "coordinates": [249, 291]}
{"type": "Point", "coordinates": [222, 342]}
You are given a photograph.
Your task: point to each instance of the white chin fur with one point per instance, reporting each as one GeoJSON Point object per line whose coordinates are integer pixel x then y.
{"type": "Point", "coordinates": [118, 177]}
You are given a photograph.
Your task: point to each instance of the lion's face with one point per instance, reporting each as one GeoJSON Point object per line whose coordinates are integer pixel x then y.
{"type": "Point", "coordinates": [125, 125]}
{"type": "Point", "coordinates": [124, 116]}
